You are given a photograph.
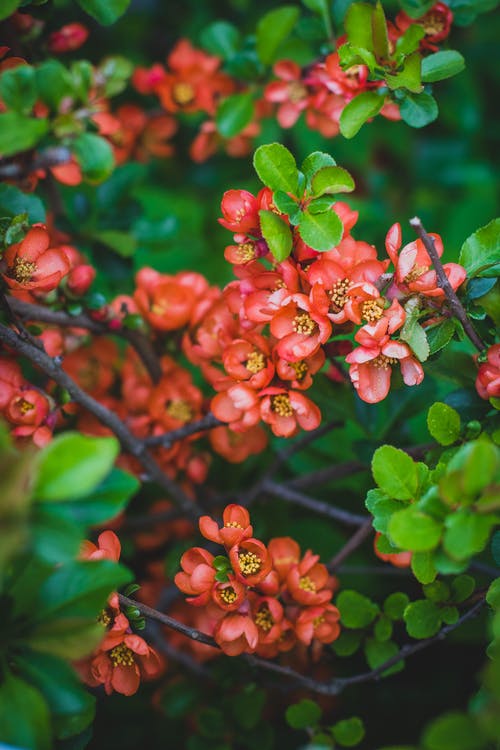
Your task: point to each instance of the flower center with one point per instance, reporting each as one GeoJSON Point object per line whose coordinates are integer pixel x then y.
{"type": "Point", "coordinates": [338, 294]}
{"type": "Point", "coordinates": [245, 251]}
{"type": "Point", "coordinates": [264, 618]}
{"type": "Point", "coordinates": [183, 93]}
{"type": "Point", "coordinates": [372, 310]}
{"type": "Point", "coordinates": [382, 362]}
{"type": "Point", "coordinates": [249, 563]}
{"type": "Point", "coordinates": [296, 91]}
{"type": "Point", "coordinates": [300, 368]}
{"type": "Point", "coordinates": [353, 72]}
{"type": "Point", "coordinates": [281, 405]}
{"type": "Point", "coordinates": [433, 23]}
{"type": "Point", "coordinates": [24, 406]}
{"type": "Point", "coordinates": [180, 410]}
{"type": "Point", "coordinates": [255, 362]}
{"type": "Point", "coordinates": [306, 584]}
{"type": "Point", "coordinates": [318, 620]}
{"type": "Point", "coordinates": [104, 618]}
{"type": "Point", "coordinates": [233, 525]}
{"type": "Point", "coordinates": [23, 270]}
{"type": "Point", "coordinates": [304, 324]}
{"type": "Point", "coordinates": [415, 273]}
{"type": "Point", "coordinates": [122, 656]}
{"type": "Point", "coordinates": [228, 595]}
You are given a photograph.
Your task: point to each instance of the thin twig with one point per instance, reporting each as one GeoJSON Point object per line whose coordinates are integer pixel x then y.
{"type": "Point", "coordinates": [129, 442]}
{"type": "Point", "coordinates": [351, 545]}
{"type": "Point", "coordinates": [455, 304]}
{"type": "Point", "coordinates": [284, 492]}
{"type": "Point", "coordinates": [136, 339]}
{"type": "Point", "coordinates": [208, 422]}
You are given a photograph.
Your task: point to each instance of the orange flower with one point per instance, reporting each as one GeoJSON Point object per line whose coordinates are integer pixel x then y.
{"type": "Point", "coordinates": [33, 265]}
{"type": "Point", "coordinates": [29, 409]}
{"type": "Point", "coordinates": [236, 526]}
{"type": "Point", "coordinates": [251, 561]}
{"type": "Point", "coordinates": [229, 595]}
{"type": "Point", "coordinates": [121, 667]}
{"type": "Point", "coordinates": [235, 446]}
{"type": "Point", "coordinates": [285, 411]}
{"type": "Point", "coordinates": [488, 376]}
{"type": "Point", "coordinates": [285, 553]}
{"type": "Point", "coordinates": [237, 634]}
{"type": "Point", "coordinates": [320, 623]}
{"type": "Point", "coordinates": [108, 548]}
{"type": "Point", "coordinates": [307, 582]}
{"type": "Point", "coordinates": [198, 576]}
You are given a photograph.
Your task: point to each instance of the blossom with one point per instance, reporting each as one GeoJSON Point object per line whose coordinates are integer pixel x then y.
{"type": "Point", "coordinates": [436, 24]}
{"type": "Point", "coordinates": [299, 328]}
{"type": "Point", "coordinates": [320, 623]}
{"type": "Point", "coordinates": [236, 447]}
{"type": "Point", "coordinates": [285, 553]}
{"type": "Point", "coordinates": [67, 38]}
{"type": "Point", "coordinates": [28, 410]}
{"type": "Point", "coordinates": [236, 526]}
{"type": "Point", "coordinates": [237, 634]}
{"type": "Point", "coordinates": [488, 376]}
{"type": "Point", "coordinates": [167, 302]}
{"type": "Point", "coordinates": [240, 211]}
{"type": "Point", "coordinates": [307, 581]}
{"type": "Point", "coordinates": [108, 547]}
{"type": "Point", "coordinates": [285, 411]}
{"type": "Point", "coordinates": [238, 406]}
{"type": "Point", "coordinates": [229, 595]}
{"type": "Point", "coordinates": [121, 667]}
{"type": "Point", "coordinates": [248, 359]}
{"type": "Point", "coordinates": [197, 576]}
{"type": "Point", "coordinates": [33, 265]}
{"type": "Point", "coordinates": [289, 92]}
{"type": "Point", "coordinates": [250, 560]}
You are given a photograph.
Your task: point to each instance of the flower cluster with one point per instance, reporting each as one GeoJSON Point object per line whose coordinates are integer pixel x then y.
{"type": "Point", "coordinates": [122, 658]}
{"type": "Point", "coordinates": [488, 376]}
{"type": "Point", "coordinates": [259, 599]}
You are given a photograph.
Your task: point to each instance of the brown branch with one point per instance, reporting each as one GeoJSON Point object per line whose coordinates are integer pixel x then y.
{"type": "Point", "coordinates": [455, 304]}
{"type": "Point", "coordinates": [208, 422]}
{"type": "Point", "coordinates": [136, 339]}
{"type": "Point", "coordinates": [129, 442]}
{"type": "Point", "coordinates": [332, 687]}
{"type": "Point", "coordinates": [351, 545]}
{"type": "Point", "coordinates": [49, 157]}
{"type": "Point", "coordinates": [290, 495]}
{"type": "Point", "coordinates": [329, 473]}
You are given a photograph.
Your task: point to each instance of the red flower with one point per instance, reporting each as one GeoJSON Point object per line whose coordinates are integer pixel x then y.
{"type": "Point", "coordinates": [108, 548]}
{"type": "Point", "coordinates": [28, 409]}
{"type": "Point", "coordinates": [229, 595]}
{"type": "Point", "coordinates": [121, 668]}
{"type": "Point", "coordinates": [398, 559]}
{"type": "Point", "coordinates": [240, 211]}
{"type": "Point", "coordinates": [249, 360]}
{"type": "Point", "coordinates": [299, 374]}
{"type": "Point", "coordinates": [289, 92]}
{"type": "Point", "coordinates": [33, 265]}
{"type": "Point", "coordinates": [239, 406]}
{"type": "Point", "coordinates": [299, 328]}
{"type": "Point", "coordinates": [488, 376]}
{"type": "Point", "coordinates": [198, 576]}
{"type": "Point", "coordinates": [237, 634]}
{"type": "Point", "coordinates": [285, 411]}
{"type": "Point", "coordinates": [11, 380]}
{"type": "Point", "coordinates": [307, 581]}
{"type": "Point", "coordinates": [319, 623]}
{"type": "Point", "coordinates": [285, 553]}
{"type": "Point", "coordinates": [268, 615]}
{"type": "Point", "coordinates": [251, 561]}
{"type": "Point", "coordinates": [236, 447]}
{"type": "Point", "coordinates": [236, 526]}
{"type": "Point", "coordinates": [436, 24]}
{"type": "Point", "coordinates": [67, 38]}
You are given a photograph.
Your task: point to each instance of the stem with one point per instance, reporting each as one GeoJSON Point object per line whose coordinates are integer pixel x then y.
{"type": "Point", "coordinates": [208, 422]}
{"type": "Point", "coordinates": [351, 545]}
{"type": "Point", "coordinates": [455, 304]}
{"type": "Point", "coordinates": [290, 495]}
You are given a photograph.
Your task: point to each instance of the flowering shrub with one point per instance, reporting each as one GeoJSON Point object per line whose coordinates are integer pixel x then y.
{"type": "Point", "coordinates": [249, 443]}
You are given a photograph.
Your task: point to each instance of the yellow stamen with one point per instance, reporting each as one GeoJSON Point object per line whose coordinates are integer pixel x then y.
{"type": "Point", "coordinates": [415, 273]}
{"type": "Point", "coordinates": [104, 618]}
{"type": "Point", "coordinates": [25, 406]}
{"type": "Point", "coordinates": [183, 93]}
{"type": "Point", "coordinates": [296, 91]}
{"type": "Point", "coordinates": [233, 525]}
{"type": "Point", "coordinates": [303, 323]}
{"type": "Point", "coordinates": [318, 620]}
{"type": "Point", "coordinates": [281, 405]}
{"type": "Point", "coordinates": [306, 584]}
{"type": "Point", "coordinates": [122, 656]}
{"type": "Point", "coordinates": [255, 362]}
{"type": "Point", "coordinates": [433, 23]}
{"type": "Point", "coordinates": [245, 251]}
{"type": "Point", "coordinates": [264, 618]}
{"type": "Point", "coordinates": [180, 410]}
{"type": "Point", "coordinates": [23, 270]}
{"type": "Point", "coordinates": [372, 309]}
{"type": "Point", "coordinates": [228, 595]}
{"type": "Point", "coordinates": [338, 294]}
{"type": "Point", "coordinates": [300, 369]}
{"type": "Point", "coordinates": [249, 563]}
{"type": "Point", "coordinates": [382, 362]}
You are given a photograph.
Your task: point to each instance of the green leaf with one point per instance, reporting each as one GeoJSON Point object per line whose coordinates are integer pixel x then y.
{"type": "Point", "coordinates": [437, 592]}
{"type": "Point", "coordinates": [347, 643]}
{"type": "Point", "coordinates": [316, 161]}
{"type": "Point", "coordinates": [412, 332]}
{"type": "Point", "coordinates": [493, 594]}
{"type": "Point", "coordinates": [395, 472]}
{"type": "Point", "coordinates": [320, 205]}
{"type": "Point", "coordinates": [410, 40]}
{"type": "Point", "coordinates": [441, 65]}
{"type": "Point", "coordinates": [413, 530]}
{"type": "Point", "coordinates": [418, 110]}
{"type": "Point", "coordinates": [423, 568]}
{"type": "Point", "coordinates": [103, 504]}
{"type": "Point", "coordinates": [273, 29]}
{"type": "Point", "coordinates": [440, 335]}
{"type": "Point", "coordinates": [72, 465]}
{"type": "Point", "coordinates": [453, 731]}
{"type": "Point", "coordinates": [422, 619]}
{"type": "Point", "coordinates": [358, 111]}
{"type": "Point", "coordinates": [95, 157]}
{"type": "Point", "coordinates": [14, 202]}
{"type": "Point", "coordinates": [462, 587]}
{"type": "Point", "coordinates": [116, 71]}
{"type": "Point", "coordinates": [221, 38]}
{"type": "Point", "coordinates": [18, 88]}
{"type": "Point", "coordinates": [287, 206]}
{"type": "Point", "coordinates": [466, 533]}
{"type": "Point", "coordinates": [349, 732]}
{"type": "Point", "coordinates": [409, 77]}
{"type": "Point", "coordinates": [378, 652]}
{"type": "Point", "coordinates": [277, 234]}
{"type": "Point", "coordinates": [358, 25]}
{"type": "Point", "coordinates": [8, 7]}
{"type": "Point", "coordinates": [19, 133]}
{"type": "Point", "coordinates": [332, 180]}
{"type": "Point", "coordinates": [306, 713]}
{"type": "Point", "coordinates": [72, 706]}
{"type": "Point", "coordinates": [443, 423]}
{"type": "Point", "coordinates": [24, 715]}
{"type": "Point", "coordinates": [395, 605]}
{"type": "Point", "coordinates": [53, 82]}
{"type": "Point", "coordinates": [234, 113]}
{"type": "Point", "coordinates": [383, 629]}
{"type": "Point", "coordinates": [105, 12]}
{"type": "Point", "coordinates": [481, 251]}
{"type": "Point", "coordinates": [356, 610]}
{"type": "Point", "coordinates": [478, 463]}
{"type": "Point", "coordinates": [379, 32]}
{"type": "Point", "coordinates": [322, 231]}
{"type": "Point", "coordinates": [276, 167]}
{"type": "Point", "coordinates": [123, 243]}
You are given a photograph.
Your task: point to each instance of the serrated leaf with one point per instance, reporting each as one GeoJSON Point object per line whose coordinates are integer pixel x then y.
{"type": "Point", "coordinates": [304, 714]}
{"type": "Point", "coordinates": [356, 610]}
{"type": "Point", "coordinates": [409, 77]}
{"type": "Point", "coordinates": [332, 180]}
{"type": "Point", "coordinates": [321, 231]}
{"type": "Point", "coordinates": [276, 167]}
{"type": "Point", "coordinates": [412, 530]}
{"type": "Point", "coordinates": [423, 568]}
{"type": "Point", "coordinates": [422, 619]}
{"type": "Point", "coordinates": [443, 423]}
{"type": "Point", "coordinates": [316, 161]}
{"type": "Point", "coordinates": [395, 472]}
{"type": "Point", "coordinates": [440, 335]}
{"type": "Point", "coordinates": [480, 252]}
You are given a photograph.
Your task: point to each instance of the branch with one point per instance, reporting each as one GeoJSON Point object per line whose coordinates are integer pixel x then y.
{"type": "Point", "coordinates": [136, 339]}
{"type": "Point", "coordinates": [455, 304]}
{"type": "Point", "coordinates": [284, 492]}
{"type": "Point", "coordinates": [50, 157]}
{"type": "Point", "coordinates": [129, 442]}
{"type": "Point", "coordinates": [333, 687]}
{"type": "Point", "coordinates": [208, 422]}
{"type": "Point", "coordinates": [351, 545]}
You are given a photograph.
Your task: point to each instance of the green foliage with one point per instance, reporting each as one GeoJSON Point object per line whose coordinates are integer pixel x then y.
{"type": "Point", "coordinates": [453, 731]}
{"type": "Point", "coordinates": [443, 423]}
{"type": "Point", "coordinates": [360, 109]}
{"type": "Point", "coordinates": [479, 253]}
{"type": "Point", "coordinates": [395, 472]}
{"type": "Point", "coordinates": [277, 234]}
{"type": "Point", "coordinates": [441, 65]}
{"type": "Point", "coordinates": [276, 167]}
{"type": "Point", "coordinates": [104, 11]}
{"type": "Point", "coordinates": [234, 114]}
{"type": "Point", "coordinates": [95, 157]}
{"type": "Point", "coordinates": [422, 618]}
{"type": "Point", "coordinates": [418, 110]}
{"type": "Point", "coordinates": [349, 732]}
{"type": "Point", "coordinates": [356, 610]}
{"type": "Point", "coordinates": [273, 28]}
{"type": "Point", "coordinates": [304, 714]}
{"type": "Point", "coordinates": [321, 231]}
{"type": "Point", "coordinates": [20, 133]}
